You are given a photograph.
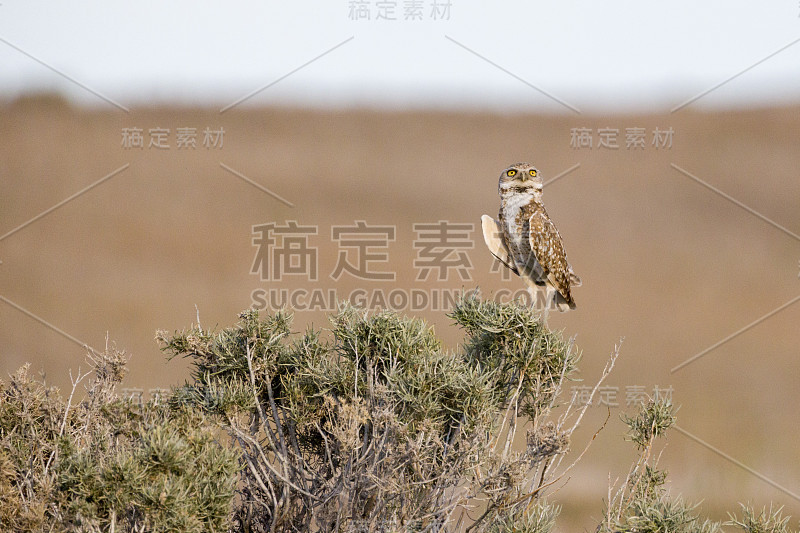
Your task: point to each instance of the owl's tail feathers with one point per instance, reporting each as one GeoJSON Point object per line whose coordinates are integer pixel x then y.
{"type": "Point", "coordinates": [548, 298]}
{"type": "Point", "coordinates": [562, 303]}
{"type": "Point", "coordinates": [574, 280]}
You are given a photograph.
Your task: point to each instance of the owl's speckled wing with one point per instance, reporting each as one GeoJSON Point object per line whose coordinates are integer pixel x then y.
{"type": "Point", "coordinates": [493, 237]}
{"type": "Point", "coordinates": [548, 248]}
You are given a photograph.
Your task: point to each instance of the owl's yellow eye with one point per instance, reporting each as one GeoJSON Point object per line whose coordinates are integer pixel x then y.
{"type": "Point", "coordinates": [532, 172]}
{"type": "Point", "coordinates": [511, 173]}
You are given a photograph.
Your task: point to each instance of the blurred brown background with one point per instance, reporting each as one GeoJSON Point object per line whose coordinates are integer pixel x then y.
{"type": "Point", "coordinates": [667, 263]}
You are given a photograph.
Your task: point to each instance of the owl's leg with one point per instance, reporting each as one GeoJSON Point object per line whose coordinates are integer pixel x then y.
{"type": "Point", "coordinates": [550, 301]}
{"type": "Point", "coordinates": [540, 300]}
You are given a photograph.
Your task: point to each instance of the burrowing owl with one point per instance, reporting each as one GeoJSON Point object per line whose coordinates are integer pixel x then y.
{"type": "Point", "coordinates": [525, 239]}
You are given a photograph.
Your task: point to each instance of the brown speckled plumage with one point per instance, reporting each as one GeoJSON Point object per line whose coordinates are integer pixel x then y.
{"type": "Point", "coordinates": [528, 242]}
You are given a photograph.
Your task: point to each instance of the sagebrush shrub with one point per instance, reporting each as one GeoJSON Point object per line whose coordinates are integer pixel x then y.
{"type": "Point", "coordinates": [106, 463]}
{"type": "Point", "coordinates": [376, 426]}
{"type": "Point", "coordinates": [368, 425]}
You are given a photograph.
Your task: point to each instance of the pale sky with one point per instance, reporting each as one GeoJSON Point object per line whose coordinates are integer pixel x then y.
{"type": "Point", "coordinates": [585, 55]}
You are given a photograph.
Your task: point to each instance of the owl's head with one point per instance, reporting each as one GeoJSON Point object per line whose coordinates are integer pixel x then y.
{"type": "Point", "coordinates": [521, 177]}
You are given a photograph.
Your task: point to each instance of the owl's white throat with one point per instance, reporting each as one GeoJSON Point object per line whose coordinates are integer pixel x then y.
{"type": "Point", "coordinates": [515, 200]}
{"type": "Point", "coordinates": [520, 196]}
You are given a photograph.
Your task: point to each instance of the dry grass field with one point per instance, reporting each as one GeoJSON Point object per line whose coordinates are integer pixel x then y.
{"type": "Point", "coordinates": [667, 263]}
